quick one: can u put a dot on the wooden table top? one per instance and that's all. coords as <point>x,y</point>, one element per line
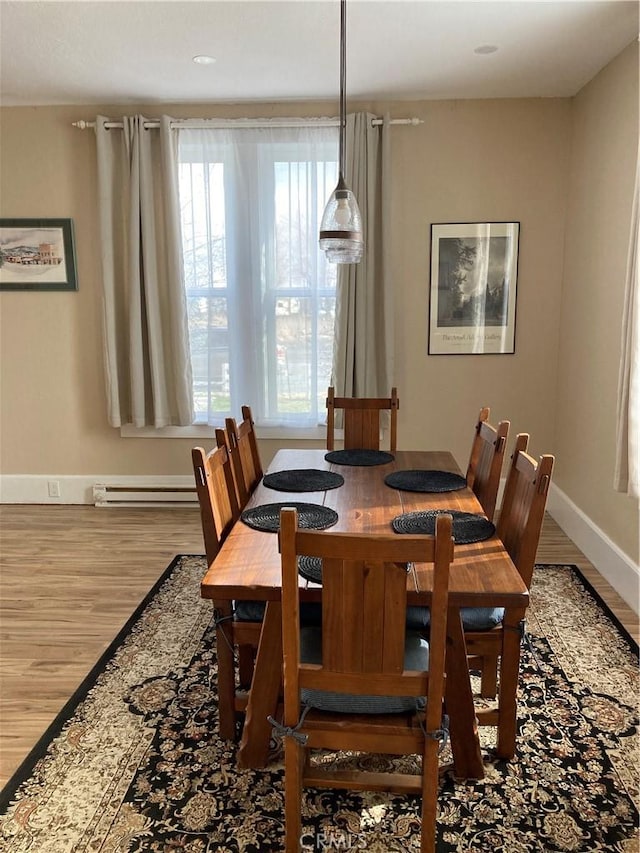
<point>248,564</point>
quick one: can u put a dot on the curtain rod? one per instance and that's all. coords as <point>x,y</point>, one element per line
<point>213,122</point>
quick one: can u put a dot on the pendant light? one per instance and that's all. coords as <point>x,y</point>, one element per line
<point>341,226</point>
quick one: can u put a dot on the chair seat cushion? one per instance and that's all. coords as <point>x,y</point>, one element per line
<point>249,611</point>
<point>418,618</point>
<point>416,657</point>
<point>311,613</point>
<point>473,618</point>
<point>253,611</point>
<point>481,618</point>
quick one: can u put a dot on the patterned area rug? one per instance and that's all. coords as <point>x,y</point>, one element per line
<point>134,763</point>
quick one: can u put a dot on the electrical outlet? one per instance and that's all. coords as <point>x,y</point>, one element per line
<point>54,488</point>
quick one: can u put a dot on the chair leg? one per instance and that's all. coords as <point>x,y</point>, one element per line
<point>294,756</point>
<point>429,796</point>
<point>489,677</point>
<point>245,665</point>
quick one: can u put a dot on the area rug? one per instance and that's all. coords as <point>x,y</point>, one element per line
<point>134,765</point>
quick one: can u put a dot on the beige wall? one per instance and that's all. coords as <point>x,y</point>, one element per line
<point>603,158</point>
<point>481,161</point>
<point>53,409</point>
<point>469,161</point>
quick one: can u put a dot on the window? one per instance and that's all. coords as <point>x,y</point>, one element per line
<point>260,295</point>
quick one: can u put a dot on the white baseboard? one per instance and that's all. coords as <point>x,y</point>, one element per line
<point>612,563</point>
<point>35,488</point>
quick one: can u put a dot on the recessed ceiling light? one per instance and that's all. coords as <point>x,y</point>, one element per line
<point>486,48</point>
<point>203,59</point>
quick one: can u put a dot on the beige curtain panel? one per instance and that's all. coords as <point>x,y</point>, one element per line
<point>363,347</point>
<point>146,339</point>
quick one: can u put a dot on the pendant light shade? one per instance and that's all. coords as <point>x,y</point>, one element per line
<point>341,226</point>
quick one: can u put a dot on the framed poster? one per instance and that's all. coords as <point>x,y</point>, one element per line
<point>472,299</point>
<point>37,254</point>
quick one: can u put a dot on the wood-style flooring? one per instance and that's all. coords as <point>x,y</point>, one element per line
<point>72,575</point>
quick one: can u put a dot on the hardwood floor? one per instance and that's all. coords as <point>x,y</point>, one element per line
<point>70,578</point>
<point>72,575</point>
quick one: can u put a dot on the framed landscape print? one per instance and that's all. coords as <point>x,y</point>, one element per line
<point>472,299</point>
<point>37,254</point>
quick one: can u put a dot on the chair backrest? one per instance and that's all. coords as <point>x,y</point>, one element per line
<point>523,506</point>
<point>364,594</point>
<point>245,456</point>
<point>485,461</point>
<point>216,495</point>
<point>362,420</point>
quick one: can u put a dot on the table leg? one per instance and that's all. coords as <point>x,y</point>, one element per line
<point>265,690</point>
<point>463,726</point>
<point>509,676</point>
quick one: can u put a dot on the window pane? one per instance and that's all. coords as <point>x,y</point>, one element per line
<point>203,224</point>
<point>209,340</point>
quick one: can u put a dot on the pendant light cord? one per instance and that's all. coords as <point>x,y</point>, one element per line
<point>343,85</point>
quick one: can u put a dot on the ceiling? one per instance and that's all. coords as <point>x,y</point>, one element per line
<point>85,52</point>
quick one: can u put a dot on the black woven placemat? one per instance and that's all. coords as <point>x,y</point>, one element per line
<point>310,568</point>
<point>267,516</point>
<point>425,481</point>
<point>467,527</point>
<point>359,457</point>
<point>303,480</point>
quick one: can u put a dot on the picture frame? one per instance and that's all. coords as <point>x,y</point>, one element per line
<point>473,287</point>
<point>37,254</point>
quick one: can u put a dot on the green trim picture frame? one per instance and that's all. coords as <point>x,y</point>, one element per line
<point>37,254</point>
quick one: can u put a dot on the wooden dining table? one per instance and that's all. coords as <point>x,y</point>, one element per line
<point>481,575</point>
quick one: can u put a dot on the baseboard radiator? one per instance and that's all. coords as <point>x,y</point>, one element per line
<point>141,495</point>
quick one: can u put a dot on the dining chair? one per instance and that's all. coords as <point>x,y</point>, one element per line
<point>238,624</point>
<point>490,644</point>
<point>245,455</point>
<point>485,461</point>
<point>362,420</point>
<point>359,682</point>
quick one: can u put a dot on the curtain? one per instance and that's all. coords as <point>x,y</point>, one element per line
<point>363,348</point>
<point>627,472</point>
<point>260,293</point>
<point>146,341</point>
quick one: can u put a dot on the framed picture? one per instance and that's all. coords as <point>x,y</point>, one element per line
<point>37,254</point>
<point>472,300</point>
